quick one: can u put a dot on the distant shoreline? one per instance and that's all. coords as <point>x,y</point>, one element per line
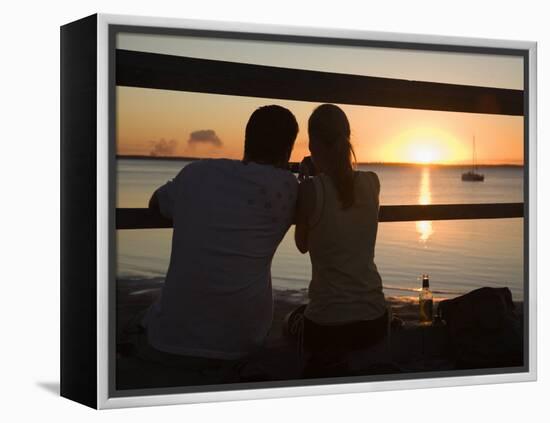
<point>188,158</point>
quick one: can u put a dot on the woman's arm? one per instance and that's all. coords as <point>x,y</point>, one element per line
<point>304,209</point>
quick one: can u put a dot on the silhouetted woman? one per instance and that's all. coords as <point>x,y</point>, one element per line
<point>337,222</point>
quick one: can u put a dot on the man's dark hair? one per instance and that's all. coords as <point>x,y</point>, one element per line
<point>270,135</point>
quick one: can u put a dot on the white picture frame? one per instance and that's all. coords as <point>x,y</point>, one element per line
<point>99,394</point>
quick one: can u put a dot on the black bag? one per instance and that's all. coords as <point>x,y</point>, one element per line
<point>485,329</point>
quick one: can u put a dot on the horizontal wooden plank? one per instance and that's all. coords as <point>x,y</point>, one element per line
<point>450,212</point>
<point>140,219</point>
<point>159,71</point>
<point>134,218</point>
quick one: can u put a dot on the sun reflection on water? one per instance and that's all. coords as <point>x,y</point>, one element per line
<point>424,227</point>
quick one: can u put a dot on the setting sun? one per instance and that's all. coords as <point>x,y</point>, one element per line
<point>425,154</point>
<point>425,144</point>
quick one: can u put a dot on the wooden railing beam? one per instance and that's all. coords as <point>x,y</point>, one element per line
<point>135,218</point>
<point>166,72</point>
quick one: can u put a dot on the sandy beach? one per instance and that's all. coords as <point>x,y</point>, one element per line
<point>410,347</point>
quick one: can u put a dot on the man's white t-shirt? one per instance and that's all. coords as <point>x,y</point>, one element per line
<point>229,217</point>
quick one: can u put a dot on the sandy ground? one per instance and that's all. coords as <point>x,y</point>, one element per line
<point>410,347</point>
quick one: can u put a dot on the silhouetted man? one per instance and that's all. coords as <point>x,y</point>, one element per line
<point>229,217</point>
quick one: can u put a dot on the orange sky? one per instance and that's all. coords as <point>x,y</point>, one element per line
<point>145,117</point>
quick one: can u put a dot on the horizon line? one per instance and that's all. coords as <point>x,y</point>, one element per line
<point>191,158</point>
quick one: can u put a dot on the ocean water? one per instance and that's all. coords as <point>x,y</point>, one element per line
<point>459,255</point>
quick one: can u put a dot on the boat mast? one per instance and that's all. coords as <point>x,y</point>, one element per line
<point>474,154</point>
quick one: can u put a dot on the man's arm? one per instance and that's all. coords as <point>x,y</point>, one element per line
<point>154,205</point>
<point>163,200</point>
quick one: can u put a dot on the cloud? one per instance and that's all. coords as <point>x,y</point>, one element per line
<point>163,147</point>
<point>204,136</point>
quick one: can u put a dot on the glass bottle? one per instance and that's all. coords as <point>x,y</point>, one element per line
<point>426,301</point>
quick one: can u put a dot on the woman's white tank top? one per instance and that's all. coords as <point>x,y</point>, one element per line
<point>345,285</point>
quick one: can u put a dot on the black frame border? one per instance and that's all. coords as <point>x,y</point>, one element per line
<point>78,211</point>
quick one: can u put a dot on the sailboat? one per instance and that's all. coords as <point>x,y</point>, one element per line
<point>472,175</point>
